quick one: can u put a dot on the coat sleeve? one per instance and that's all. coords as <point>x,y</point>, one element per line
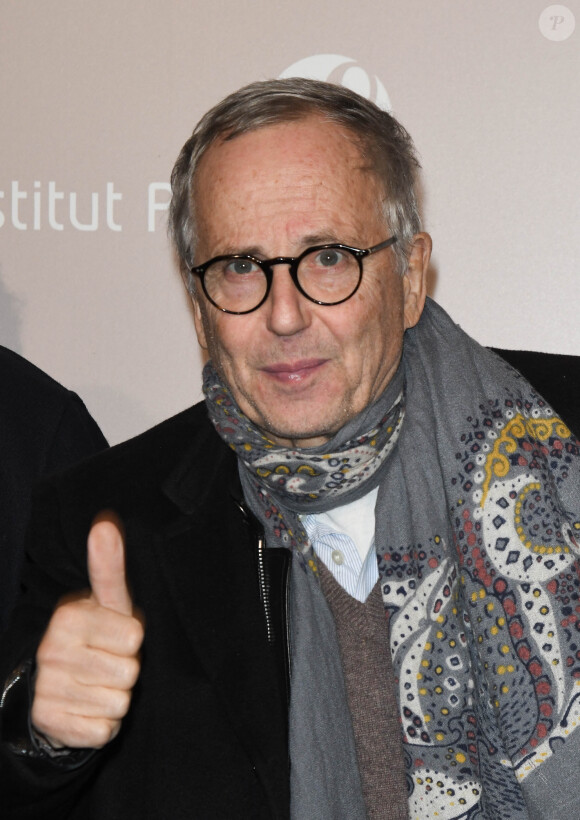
<point>34,784</point>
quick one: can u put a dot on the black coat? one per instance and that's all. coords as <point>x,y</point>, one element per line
<point>43,429</point>
<point>555,376</point>
<point>206,734</point>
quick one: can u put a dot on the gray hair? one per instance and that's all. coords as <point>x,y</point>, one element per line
<point>384,144</point>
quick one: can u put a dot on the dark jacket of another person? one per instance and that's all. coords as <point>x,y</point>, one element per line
<point>43,429</point>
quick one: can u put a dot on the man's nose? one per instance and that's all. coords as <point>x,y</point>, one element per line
<point>288,311</point>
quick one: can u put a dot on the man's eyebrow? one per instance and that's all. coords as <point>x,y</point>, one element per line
<point>233,250</point>
<point>308,241</point>
<point>320,239</point>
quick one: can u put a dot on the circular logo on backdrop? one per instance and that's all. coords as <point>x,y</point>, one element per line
<point>334,68</point>
<point>557,23</point>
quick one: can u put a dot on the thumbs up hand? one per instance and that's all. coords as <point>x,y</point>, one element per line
<point>87,662</point>
<point>106,563</point>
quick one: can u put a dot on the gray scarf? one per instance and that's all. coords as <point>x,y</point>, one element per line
<point>476,535</point>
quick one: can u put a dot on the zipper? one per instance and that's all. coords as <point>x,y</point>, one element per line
<point>264,587</point>
<point>262,568</point>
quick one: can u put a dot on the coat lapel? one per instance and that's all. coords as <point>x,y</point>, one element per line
<point>209,562</point>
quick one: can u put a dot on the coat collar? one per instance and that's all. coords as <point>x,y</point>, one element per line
<point>207,466</point>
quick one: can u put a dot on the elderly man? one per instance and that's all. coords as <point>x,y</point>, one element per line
<point>354,566</point>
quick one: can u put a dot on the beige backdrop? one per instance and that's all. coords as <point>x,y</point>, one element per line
<point>98,97</point>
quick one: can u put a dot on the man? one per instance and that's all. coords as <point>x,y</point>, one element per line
<point>43,429</point>
<point>343,587</point>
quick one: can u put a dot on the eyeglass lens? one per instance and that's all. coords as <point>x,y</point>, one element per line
<point>239,284</point>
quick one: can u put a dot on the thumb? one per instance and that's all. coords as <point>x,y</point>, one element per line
<point>106,565</point>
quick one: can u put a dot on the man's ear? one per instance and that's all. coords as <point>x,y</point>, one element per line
<point>198,319</point>
<point>415,279</point>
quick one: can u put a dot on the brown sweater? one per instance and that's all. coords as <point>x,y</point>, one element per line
<point>363,636</point>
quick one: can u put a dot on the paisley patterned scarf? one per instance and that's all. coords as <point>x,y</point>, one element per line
<point>477,533</point>
<point>282,482</point>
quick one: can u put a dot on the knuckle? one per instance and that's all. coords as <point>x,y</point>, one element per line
<point>103,731</point>
<point>135,635</point>
<point>120,704</point>
<point>132,672</point>
<point>127,672</point>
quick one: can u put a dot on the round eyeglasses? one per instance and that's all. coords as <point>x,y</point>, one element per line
<point>325,274</point>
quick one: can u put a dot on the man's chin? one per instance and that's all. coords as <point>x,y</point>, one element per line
<point>296,424</point>
<point>298,435</point>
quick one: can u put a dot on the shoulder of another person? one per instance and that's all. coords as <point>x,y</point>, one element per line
<point>130,477</point>
<point>21,378</point>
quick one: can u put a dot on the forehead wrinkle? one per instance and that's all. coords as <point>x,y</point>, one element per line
<point>271,188</point>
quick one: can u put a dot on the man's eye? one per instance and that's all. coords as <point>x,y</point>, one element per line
<point>329,258</point>
<point>241,266</point>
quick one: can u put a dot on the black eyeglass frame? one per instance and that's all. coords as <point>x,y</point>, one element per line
<point>293,262</point>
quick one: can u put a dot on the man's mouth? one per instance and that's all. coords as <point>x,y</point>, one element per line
<point>294,372</point>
